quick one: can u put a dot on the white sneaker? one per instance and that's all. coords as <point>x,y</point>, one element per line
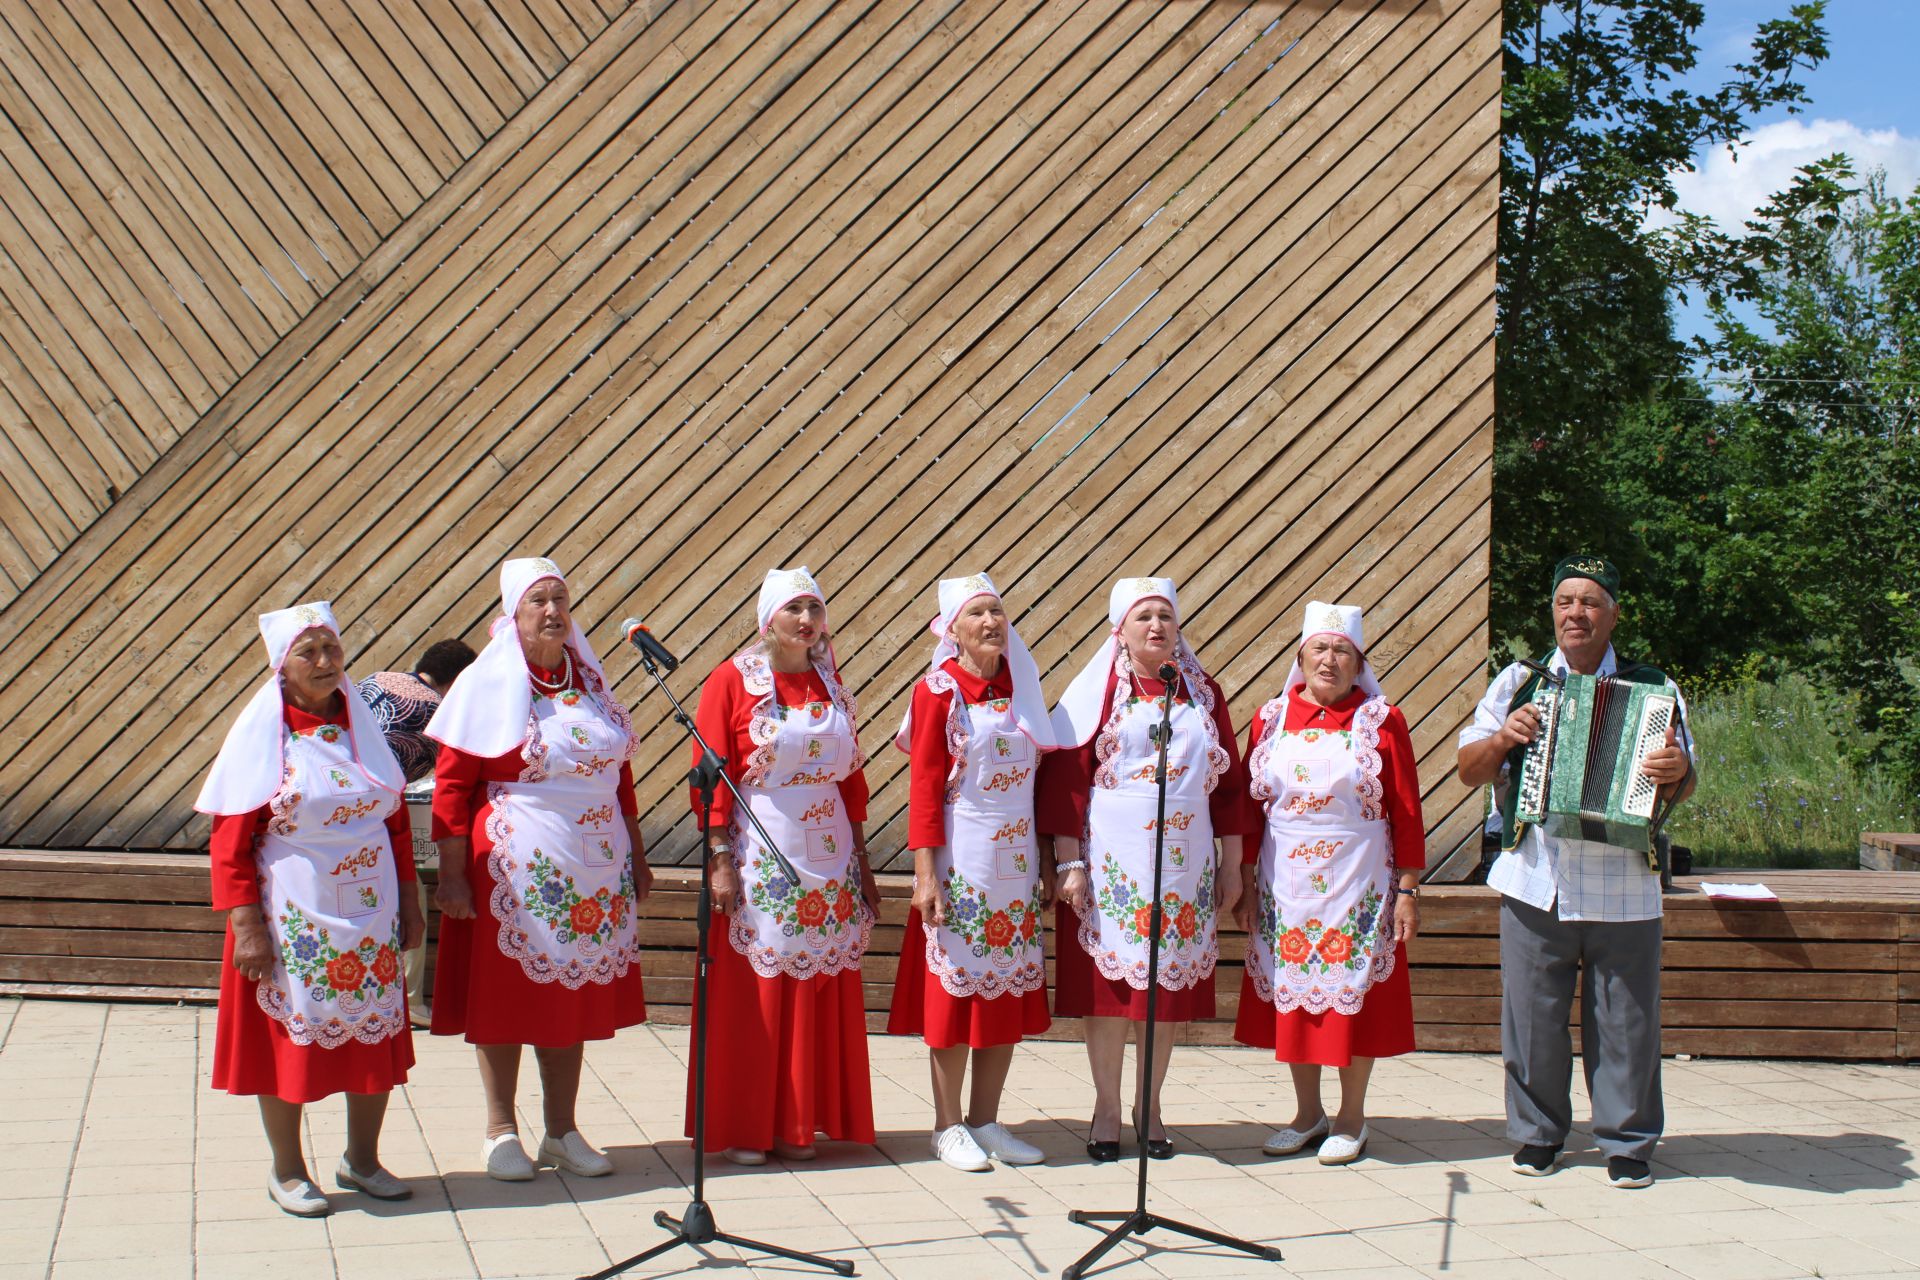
<point>997,1141</point>
<point>745,1155</point>
<point>956,1148</point>
<point>507,1159</point>
<point>1340,1149</point>
<point>1288,1141</point>
<point>304,1200</point>
<point>572,1154</point>
<point>379,1184</point>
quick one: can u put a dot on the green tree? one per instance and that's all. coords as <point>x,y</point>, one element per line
<point>1594,128</point>
<point>1825,486</point>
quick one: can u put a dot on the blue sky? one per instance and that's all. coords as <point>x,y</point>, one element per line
<point>1865,101</point>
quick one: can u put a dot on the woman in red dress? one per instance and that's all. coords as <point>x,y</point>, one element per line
<point>787,1048</point>
<point>1098,799</point>
<point>973,967</point>
<point>1333,899</point>
<point>541,865</point>
<point>311,862</point>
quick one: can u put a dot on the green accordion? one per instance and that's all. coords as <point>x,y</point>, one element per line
<point>1581,778</point>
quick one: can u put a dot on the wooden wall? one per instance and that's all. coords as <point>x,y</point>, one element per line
<point>894,289</point>
<point>184,180</point>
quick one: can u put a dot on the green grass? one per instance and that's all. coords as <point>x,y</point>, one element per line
<point>1775,788</point>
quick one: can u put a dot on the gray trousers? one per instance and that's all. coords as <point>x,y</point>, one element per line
<point>1540,956</point>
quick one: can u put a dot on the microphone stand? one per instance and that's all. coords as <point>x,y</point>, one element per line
<point>696,1225</point>
<point>1139,1220</point>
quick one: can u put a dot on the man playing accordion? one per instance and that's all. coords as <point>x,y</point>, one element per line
<point>1570,902</point>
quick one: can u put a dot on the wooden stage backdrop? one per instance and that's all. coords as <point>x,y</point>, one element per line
<point>354,298</point>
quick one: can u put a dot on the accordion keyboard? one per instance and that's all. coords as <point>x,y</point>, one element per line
<point>1536,768</point>
<point>1655,715</point>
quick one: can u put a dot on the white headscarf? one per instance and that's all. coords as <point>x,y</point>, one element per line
<point>1338,620</point>
<point>485,712</point>
<point>248,769</point>
<point>781,586</point>
<point>1077,716</point>
<point>1029,702</point>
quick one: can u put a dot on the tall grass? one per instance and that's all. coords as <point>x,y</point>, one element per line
<point>1776,788</point>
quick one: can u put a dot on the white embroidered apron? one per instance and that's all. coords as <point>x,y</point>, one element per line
<point>330,895</point>
<point>1323,931</point>
<point>992,943</point>
<point>1119,842</point>
<point>562,861</point>
<point>818,924</point>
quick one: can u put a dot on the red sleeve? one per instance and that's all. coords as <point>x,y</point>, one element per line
<point>456,783</point>
<point>236,877</point>
<point>1400,780</point>
<point>400,836</point>
<point>1230,806</point>
<point>1065,784</point>
<point>629,802</point>
<point>1250,847</point>
<point>721,719</point>
<point>853,792</point>
<point>930,763</point>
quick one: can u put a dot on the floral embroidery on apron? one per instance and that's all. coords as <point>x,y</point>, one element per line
<point>330,893</point>
<point>562,860</point>
<point>1121,813</point>
<point>991,944</point>
<point>1323,931</point>
<point>817,923</point>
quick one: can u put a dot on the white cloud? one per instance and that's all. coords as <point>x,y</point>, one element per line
<point>1728,190</point>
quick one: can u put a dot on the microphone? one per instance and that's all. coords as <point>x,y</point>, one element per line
<point>651,651</point>
<point>1168,671</point>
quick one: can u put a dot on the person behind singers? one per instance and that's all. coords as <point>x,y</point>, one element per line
<point>312,863</point>
<point>973,967</point>
<point>1097,798</point>
<point>1332,899</point>
<point>541,866</point>
<point>787,1054</point>
<point>1568,905</point>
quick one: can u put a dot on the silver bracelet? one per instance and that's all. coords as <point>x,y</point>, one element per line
<point>1078,864</point>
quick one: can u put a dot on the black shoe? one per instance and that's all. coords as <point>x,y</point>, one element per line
<point>1536,1162</point>
<point>1103,1152</point>
<point>1157,1148</point>
<point>1627,1173</point>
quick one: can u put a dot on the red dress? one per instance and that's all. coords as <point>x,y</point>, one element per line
<point>786,1057</point>
<point>1384,1026</point>
<point>252,1053</point>
<point>922,1005</point>
<point>1066,784</point>
<point>478,990</point>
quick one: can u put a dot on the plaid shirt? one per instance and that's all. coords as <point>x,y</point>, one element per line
<point>1588,880</point>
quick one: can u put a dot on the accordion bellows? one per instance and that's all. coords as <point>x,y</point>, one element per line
<point>1581,778</point>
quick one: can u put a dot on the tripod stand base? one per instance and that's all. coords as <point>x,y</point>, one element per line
<point>696,1227</point>
<point>1137,1222</point>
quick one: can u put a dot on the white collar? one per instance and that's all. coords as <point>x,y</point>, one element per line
<point>1557,662</point>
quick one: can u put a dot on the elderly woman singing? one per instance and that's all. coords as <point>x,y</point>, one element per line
<point>1098,800</point>
<point>309,853</point>
<point>973,966</point>
<point>541,865</point>
<point>1333,900</point>
<point>788,1028</point>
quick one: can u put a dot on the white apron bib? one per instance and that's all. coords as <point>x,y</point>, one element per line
<point>1119,842</point>
<point>562,861</point>
<point>992,943</point>
<point>330,894</point>
<point>818,924</point>
<point>1323,932</point>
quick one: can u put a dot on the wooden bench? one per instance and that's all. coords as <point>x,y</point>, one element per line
<point>1889,851</point>
<point>1831,971</point>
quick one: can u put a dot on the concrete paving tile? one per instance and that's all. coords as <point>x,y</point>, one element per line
<point>32,1213</point>
<point>403,1262</point>
<point>1332,1251</point>
<point>1609,1264</point>
<point>132,1178</point>
<point>149,1268</point>
<point>1434,1245</point>
<point>541,1255</point>
<point>1831,1256</point>
<point>1543,1239</point>
<point>98,1211</point>
<point>1719,1261</point>
<point>517,1222</point>
<point>161,1241</point>
<point>286,1264</point>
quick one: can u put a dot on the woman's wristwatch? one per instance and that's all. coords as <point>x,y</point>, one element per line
<point>1405,892</point>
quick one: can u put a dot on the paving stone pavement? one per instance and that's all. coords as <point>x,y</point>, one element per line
<point>120,1161</point>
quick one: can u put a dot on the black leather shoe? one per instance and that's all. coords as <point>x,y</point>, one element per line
<point>1103,1152</point>
<point>1159,1148</point>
